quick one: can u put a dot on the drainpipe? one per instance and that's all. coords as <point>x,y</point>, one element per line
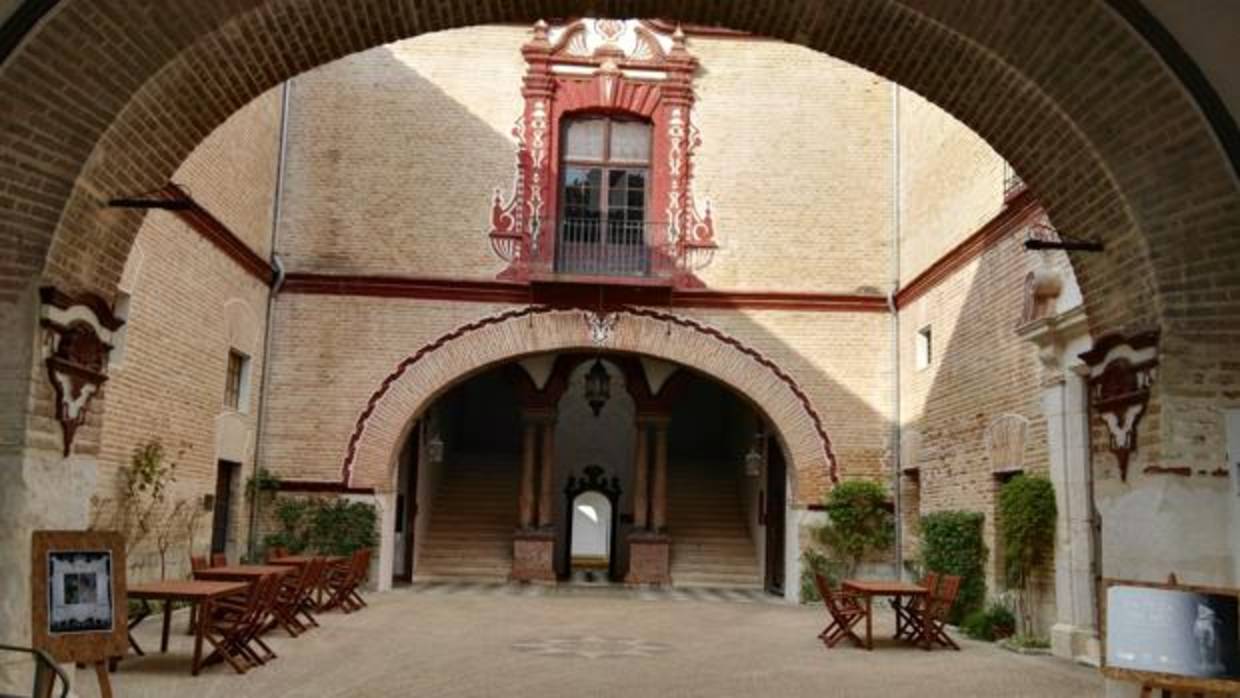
<point>276,285</point>
<point>895,328</point>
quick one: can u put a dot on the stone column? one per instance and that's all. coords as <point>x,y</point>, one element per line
<point>641,488</point>
<point>546,479</point>
<point>1060,339</point>
<point>526,496</point>
<point>658,516</point>
<point>533,547</point>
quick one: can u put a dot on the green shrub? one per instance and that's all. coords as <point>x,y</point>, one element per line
<point>995,622</point>
<point>861,522</point>
<point>336,527</point>
<point>952,544</point>
<point>1027,515</point>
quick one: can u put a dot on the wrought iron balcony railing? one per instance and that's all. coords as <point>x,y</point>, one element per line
<point>636,250</point>
<point>592,247</point>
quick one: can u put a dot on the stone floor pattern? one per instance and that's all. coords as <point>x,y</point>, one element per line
<point>448,640</point>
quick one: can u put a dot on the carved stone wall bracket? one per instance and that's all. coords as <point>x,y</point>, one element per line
<point>1121,372</point>
<point>78,334</point>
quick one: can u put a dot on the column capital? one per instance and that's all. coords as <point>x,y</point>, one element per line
<point>538,415</point>
<point>653,419</point>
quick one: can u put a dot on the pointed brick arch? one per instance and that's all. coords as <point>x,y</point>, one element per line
<point>415,382</point>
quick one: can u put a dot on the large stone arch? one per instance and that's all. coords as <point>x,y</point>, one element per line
<point>383,425</point>
<point>104,101</point>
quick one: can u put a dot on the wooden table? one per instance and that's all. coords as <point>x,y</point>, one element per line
<point>197,593</point>
<point>869,588</point>
<point>242,573</point>
<point>303,560</point>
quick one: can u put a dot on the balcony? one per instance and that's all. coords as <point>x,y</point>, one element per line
<point>608,253</point>
<point>617,248</point>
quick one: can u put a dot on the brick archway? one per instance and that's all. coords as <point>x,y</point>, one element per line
<point>414,383</point>
<point>105,101</point>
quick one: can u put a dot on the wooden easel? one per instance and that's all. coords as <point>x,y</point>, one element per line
<point>85,648</point>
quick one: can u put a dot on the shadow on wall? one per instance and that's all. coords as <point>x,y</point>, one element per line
<point>847,381</point>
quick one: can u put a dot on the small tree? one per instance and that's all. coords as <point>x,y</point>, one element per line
<point>861,523</point>
<point>1027,515</point>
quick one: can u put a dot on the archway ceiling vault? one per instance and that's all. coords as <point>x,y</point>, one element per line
<point>107,97</point>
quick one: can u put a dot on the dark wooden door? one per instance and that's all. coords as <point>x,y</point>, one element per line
<point>776,500</point>
<point>223,505</point>
<point>407,506</point>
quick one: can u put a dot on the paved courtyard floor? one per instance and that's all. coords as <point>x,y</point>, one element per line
<point>471,640</point>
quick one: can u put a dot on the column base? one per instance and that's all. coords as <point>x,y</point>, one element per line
<point>533,556</point>
<point>649,559</point>
<point>1081,645</point>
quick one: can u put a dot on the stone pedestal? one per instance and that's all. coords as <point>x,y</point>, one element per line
<point>649,559</point>
<point>533,556</point>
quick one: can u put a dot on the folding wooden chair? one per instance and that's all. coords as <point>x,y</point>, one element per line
<point>198,562</point>
<point>908,609</point>
<point>844,610</point>
<point>936,611</point>
<point>290,602</point>
<point>309,604</point>
<point>342,582</point>
<point>234,626</point>
<point>219,560</point>
<point>276,551</point>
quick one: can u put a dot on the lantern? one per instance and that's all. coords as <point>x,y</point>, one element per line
<point>756,456</point>
<point>598,386</point>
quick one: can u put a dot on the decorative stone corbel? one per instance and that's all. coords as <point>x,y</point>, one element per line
<point>78,334</point>
<point>1121,372</point>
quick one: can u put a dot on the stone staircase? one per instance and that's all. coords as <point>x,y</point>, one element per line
<point>473,516</point>
<point>711,546</point>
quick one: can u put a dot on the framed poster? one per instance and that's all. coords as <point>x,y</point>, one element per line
<point>79,606</point>
<point>1172,636</point>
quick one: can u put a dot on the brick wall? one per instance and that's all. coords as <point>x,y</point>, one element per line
<point>394,154</point>
<point>332,352</point>
<point>188,305</point>
<point>980,371</point>
<point>951,183</point>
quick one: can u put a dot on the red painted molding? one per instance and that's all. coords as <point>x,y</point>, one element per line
<point>407,287</point>
<point>777,300</point>
<point>218,234</point>
<point>1182,471</point>
<point>317,487</point>
<point>486,291</point>
<point>1019,210</point>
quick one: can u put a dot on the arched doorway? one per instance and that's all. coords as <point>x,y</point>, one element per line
<point>682,482</point>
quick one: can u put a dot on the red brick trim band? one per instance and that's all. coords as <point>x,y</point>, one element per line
<point>487,291</point>
<point>218,234</point>
<point>1020,209</point>
<point>318,487</point>
<point>533,310</point>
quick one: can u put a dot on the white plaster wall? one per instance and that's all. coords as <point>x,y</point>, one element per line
<point>1161,525</point>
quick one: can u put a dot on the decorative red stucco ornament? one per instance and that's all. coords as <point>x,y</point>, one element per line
<point>78,338</point>
<point>614,67</point>
<point>1121,373</point>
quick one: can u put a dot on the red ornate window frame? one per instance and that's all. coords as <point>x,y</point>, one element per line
<point>616,67</point>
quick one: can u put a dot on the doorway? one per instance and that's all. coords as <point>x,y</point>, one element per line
<point>406,507</point>
<point>774,514</point>
<point>591,542</point>
<point>225,476</point>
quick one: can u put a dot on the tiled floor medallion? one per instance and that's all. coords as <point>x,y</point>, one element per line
<point>592,647</point>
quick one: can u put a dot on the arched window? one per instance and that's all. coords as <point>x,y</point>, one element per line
<point>605,184</point>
